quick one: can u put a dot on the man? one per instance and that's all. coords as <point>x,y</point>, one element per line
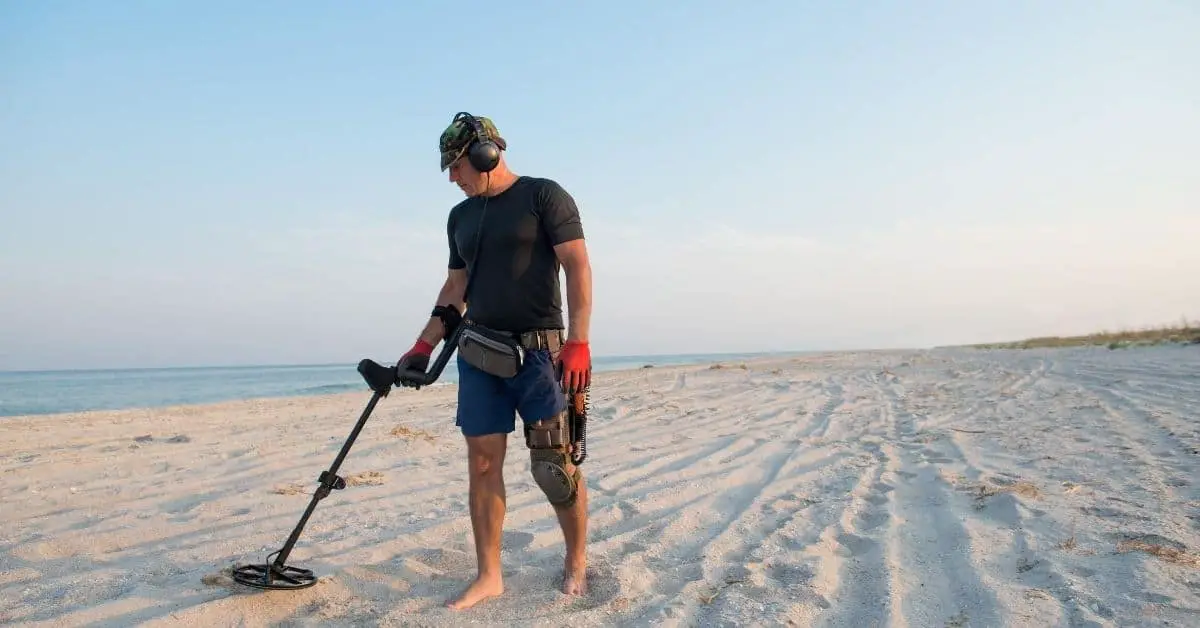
<point>523,229</point>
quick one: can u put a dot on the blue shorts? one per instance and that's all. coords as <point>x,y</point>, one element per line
<point>488,404</point>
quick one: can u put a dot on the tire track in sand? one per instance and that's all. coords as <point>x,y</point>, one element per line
<point>1010,535</point>
<point>819,423</point>
<point>741,541</point>
<point>928,551</point>
<point>1157,456</point>
<point>846,555</point>
<point>1015,540</point>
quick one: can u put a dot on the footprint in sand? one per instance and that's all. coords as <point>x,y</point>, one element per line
<point>857,545</point>
<point>790,574</point>
<point>516,540</point>
<point>876,499</point>
<point>1083,572</point>
<point>870,520</point>
<point>793,542</point>
<point>628,510</point>
<point>631,548</point>
<point>878,495</point>
<point>438,560</point>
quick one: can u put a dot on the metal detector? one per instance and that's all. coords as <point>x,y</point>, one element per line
<point>277,574</point>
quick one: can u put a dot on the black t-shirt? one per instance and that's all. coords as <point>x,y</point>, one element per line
<point>516,287</point>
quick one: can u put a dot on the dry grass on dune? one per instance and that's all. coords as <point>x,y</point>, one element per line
<point>1184,332</point>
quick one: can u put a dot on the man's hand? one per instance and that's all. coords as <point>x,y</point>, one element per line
<point>575,364</point>
<point>416,359</point>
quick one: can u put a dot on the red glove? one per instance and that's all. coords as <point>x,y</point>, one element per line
<point>575,361</point>
<point>417,358</point>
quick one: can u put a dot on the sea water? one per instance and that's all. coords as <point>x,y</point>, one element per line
<point>50,392</point>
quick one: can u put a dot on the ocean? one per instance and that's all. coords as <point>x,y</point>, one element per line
<point>51,392</point>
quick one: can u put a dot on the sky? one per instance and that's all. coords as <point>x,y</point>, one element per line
<point>219,183</point>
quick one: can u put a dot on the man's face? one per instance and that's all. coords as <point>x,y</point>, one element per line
<point>469,180</point>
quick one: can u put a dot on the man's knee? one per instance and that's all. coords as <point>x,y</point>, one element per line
<point>549,444</point>
<point>485,454</point>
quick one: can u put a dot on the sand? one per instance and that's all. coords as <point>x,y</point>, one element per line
<point>923,488</point>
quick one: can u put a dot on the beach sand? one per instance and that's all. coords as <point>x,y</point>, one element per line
<point>947,487</point>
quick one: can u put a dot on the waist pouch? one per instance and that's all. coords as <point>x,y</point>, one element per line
<point>490,351</point>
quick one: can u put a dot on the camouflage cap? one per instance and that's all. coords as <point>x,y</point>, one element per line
<point>459,135</point>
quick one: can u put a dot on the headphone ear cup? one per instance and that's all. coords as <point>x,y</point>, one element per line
<point>484,155</point>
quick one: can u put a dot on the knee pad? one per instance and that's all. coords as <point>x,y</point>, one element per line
<point>549,444</point>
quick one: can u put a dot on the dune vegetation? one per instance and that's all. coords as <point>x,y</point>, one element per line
<point>1183,332</point>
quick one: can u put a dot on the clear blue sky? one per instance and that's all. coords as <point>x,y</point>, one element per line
<point>257,182</point>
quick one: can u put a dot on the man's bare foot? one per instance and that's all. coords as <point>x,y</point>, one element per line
<point>481,589</point>
<point>574,578</point>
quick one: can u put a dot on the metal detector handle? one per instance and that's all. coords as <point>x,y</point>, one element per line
<point>416,379</point>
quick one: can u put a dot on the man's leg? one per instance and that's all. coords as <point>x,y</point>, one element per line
<point>543,405</point>
<point>485,462</point>
<point>573,521</point>
<point>485,416</point>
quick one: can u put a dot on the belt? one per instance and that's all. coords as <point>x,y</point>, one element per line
<point>534,339</point>
<point>550,339</point>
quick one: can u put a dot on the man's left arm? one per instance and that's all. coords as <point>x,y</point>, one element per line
<point>573,256</point>
<point>560,219</point>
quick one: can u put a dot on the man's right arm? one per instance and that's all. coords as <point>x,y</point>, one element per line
<point>451,294</point>
<point>453,289</point>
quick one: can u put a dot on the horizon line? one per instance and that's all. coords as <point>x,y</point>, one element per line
<point>184,367</point>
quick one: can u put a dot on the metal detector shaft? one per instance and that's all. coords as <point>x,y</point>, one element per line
<point>329,482</point>
<point>277,574</point>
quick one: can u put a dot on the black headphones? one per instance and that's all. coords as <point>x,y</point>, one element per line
<point>484,154</point>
